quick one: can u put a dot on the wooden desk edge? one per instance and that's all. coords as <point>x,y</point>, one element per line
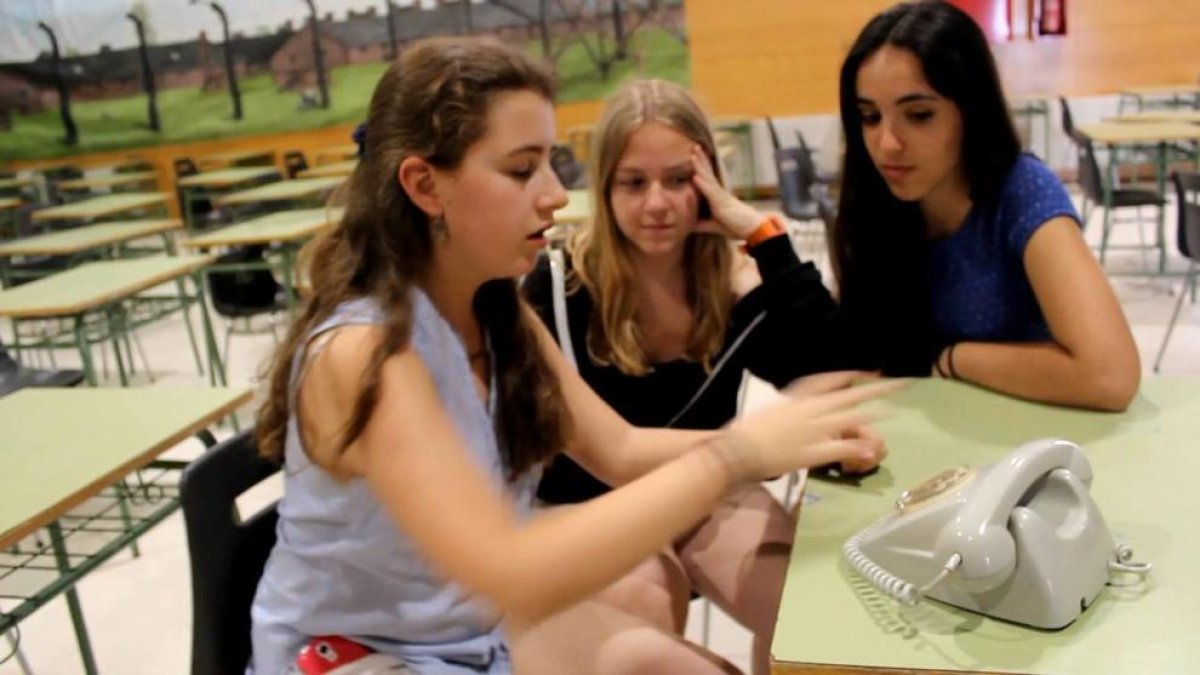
<point>224,181</point>
<point>142,285</point>
<point>116,238</point>
<point>237,198</point>
<point>39,217</point>
<point>250,241</point>
<point>46,517</point>
<point>109,181</point>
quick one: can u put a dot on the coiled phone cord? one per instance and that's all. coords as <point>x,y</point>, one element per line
<point>888,583</point>
<point>1120,563</point>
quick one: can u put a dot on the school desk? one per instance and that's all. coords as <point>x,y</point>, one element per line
<point>1144,462</point>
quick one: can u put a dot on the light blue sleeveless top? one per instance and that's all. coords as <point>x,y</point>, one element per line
<point>341,566</point>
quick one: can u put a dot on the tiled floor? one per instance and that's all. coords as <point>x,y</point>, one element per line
<point>138,610</point>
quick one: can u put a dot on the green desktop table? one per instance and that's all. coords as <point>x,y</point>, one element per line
<point>82,465</point>
<point>1144,461</point>
<point>288,229</point>
<point>113,181</point>
<point>212,184</point>
<point>100,236</point>
<point>96,208</point>
<point>105,300</point>
<point>297,190</point>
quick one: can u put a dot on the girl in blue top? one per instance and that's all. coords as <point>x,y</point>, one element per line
<point>416,399</point>
<point>959,255</point>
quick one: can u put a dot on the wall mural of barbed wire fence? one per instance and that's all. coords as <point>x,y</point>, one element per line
<point>80,76</point>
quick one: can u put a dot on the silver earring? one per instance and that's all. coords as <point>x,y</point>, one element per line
<point>438,229</point>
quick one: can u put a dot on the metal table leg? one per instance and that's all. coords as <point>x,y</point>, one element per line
<point>64,567</point>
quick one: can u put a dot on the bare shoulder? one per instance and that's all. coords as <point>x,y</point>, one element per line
<point>337,362</point>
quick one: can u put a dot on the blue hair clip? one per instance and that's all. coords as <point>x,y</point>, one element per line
<point>359,136</point>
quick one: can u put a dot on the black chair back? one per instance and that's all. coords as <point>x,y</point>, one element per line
<point>775,144</point>
<point>796,178</point>
<point>570,171</point>
<point>240,293</point>
<point>294,162</point>
<point>1068,123</point>
<point>54,176</point>
<point>227,553</point>
<point>1091,181</point>
<point>1188,185</point>
<point>184,167</point>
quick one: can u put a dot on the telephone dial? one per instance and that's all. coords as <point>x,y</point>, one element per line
<point>1019,540</point>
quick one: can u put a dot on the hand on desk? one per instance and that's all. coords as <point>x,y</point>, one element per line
<point>817,423</point>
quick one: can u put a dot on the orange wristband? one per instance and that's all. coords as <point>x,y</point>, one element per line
<point>771,226</point>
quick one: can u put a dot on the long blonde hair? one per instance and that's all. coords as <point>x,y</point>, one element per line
<point>602,253</point>
<point>431,103</point>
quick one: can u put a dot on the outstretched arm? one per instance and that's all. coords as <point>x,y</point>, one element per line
<point>421,471</point>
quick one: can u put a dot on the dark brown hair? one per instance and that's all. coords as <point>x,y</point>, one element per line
<point>431,103</point>
<point>877,243</point>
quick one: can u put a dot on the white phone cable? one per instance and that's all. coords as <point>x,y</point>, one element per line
<point>903,591</point>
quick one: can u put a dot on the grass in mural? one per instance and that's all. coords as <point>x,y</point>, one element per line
<point>188,114</point>
<point>660,55</point>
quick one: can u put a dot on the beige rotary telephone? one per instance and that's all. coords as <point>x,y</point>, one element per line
<point>1019,540</point>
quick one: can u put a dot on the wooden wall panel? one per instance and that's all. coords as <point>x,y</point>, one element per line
<point>781,57</point>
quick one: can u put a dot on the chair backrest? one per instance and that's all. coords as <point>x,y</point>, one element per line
<point>1187,193</point>
<point>570,171</point>
<point>242,292</point>
<point>7,362</point>
<point>184,166</point>
<point>227,553</point>
<point>1068,123</point>
<point>775,144</point>
<point>796,178</point>
<point>1091,181</point>
<point>294,162</point>
<point>53,176</point>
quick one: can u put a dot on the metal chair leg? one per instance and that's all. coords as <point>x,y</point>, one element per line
<point>228,333</point>
<point>1142,239</point>
<point>137,343</point>
<point>1190,278</point>
<point>1104,234</point>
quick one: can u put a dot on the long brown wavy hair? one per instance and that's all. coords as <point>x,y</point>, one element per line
<point>431,103</point>
<point>601,252</point>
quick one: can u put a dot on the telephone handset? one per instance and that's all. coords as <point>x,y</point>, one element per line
<point>1020,540</point>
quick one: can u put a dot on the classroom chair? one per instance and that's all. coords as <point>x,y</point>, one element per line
<point>200,209</point>
<point>1068,123</point>
<point>294,162</point>
<point>1092,182</point>
<point>798,189</point>
<point>227,551</point>
<point>570,171</point>
<point>13,376</point>
<point>241,294</point>
<point>1188,241</point>
<point>54,176</point>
